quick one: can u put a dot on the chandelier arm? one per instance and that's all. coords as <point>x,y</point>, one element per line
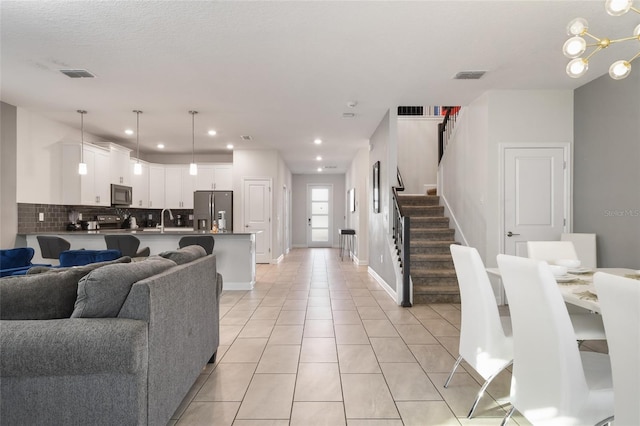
<point>596,50</point>
<point>634,9</point>
<point>592,36</point>
<point>637,55</point>
<point>624,39</point>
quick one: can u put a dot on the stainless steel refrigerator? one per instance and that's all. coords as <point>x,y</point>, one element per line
<point>209,206</point>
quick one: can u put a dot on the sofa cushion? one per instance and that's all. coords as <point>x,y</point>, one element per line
<point>103,291</point>
<point>43,296</point>
<point>89,267</point>
<point>185,255</point>
<point>16,258</point>
<point>85,257</point>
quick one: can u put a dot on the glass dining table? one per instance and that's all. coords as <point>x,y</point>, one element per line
<point>577,286</point>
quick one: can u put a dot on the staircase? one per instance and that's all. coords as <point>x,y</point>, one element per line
<point>432,272</point>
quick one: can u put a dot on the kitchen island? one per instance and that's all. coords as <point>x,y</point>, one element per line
<point>235,252</point>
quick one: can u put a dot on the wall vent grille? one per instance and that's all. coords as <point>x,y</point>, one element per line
<point>469,75</point>
<point>77,73</point>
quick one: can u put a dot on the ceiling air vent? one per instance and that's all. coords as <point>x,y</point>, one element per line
<point>410,110</point>
<point>330,167</point>
<point>469,75</point>
<point>246,137</point>
<point>77,73</point>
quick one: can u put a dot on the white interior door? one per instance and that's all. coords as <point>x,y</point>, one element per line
<point>319,215</point>
<point>536,198</point>
<point>257,215</point>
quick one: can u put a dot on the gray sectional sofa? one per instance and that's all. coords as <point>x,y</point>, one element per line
<point>115,344</point>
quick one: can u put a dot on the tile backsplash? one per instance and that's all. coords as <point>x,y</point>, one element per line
<point>56,216</point>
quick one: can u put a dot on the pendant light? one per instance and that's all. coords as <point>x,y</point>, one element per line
<point>193,167</point>
<point>137,168</point>
<point>82,166</point>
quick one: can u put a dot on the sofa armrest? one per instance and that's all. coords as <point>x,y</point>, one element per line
<point>72,347</point>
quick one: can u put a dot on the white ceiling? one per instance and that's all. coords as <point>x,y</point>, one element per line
<point>281,72</point>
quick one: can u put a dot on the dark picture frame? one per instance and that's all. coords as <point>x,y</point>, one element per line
<point>351,194</point>
<point>376,187</point>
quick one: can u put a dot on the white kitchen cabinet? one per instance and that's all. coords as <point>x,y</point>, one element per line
<point>205,177</point>
<point>156,186</point>
<point>140,185</point>
<point>223,177</point>
<point>178,187</point>
<point>121,170</point>
<point>214,176</point>
<point>92,189</point>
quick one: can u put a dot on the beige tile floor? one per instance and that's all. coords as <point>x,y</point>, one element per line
<point>320,342</point>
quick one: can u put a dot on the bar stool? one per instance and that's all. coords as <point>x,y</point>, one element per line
<point>346,241</point>
<point>127,244</point>
<point>51,246</point>
<point>205,241</point>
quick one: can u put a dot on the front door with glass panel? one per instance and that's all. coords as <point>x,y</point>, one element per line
<point>319,208</point>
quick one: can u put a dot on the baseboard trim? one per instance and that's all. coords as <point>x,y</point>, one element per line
<point>383,283</point>
<point>278,260</point>
<point>238,285</point>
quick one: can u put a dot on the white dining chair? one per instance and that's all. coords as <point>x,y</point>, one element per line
<point>553,383</point>
<point>485,337</point>
<point>551,251</point>
<point>585,247</point>
<point>619,299</point>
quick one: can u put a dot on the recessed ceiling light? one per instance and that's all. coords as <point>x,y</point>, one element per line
<point>212,132</point>
<point>229,146</point>
<point>160,146</point>
<point>317,141</point>
<point>319,158</point>
<point>319,169</point>
<point>129,132</point>
<point>352,104</point>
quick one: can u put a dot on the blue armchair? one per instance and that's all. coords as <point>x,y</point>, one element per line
<point>85,257</point>
<point>16,261</point>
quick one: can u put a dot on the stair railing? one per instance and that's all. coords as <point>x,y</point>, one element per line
<point>401,237</point>
<point>445,129</point>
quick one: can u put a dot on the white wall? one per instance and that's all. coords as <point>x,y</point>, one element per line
<point>418,152</point>
<point>8,148</point>
<point>283,183</point>
<point>264,164</point>
<point>299,205</point>
<point>357,177</point>
<point>470,167</point>
<point>463,184</point>
<point>185,158</point>
<point>521,116</point>
<point>39,157</point>
<point>384,149</point>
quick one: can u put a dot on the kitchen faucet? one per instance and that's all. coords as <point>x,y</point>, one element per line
<point>162,218</point>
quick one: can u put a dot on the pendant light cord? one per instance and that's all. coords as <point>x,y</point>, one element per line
<point>138,112</point>
<point>82,113</point>
<point>193,136</point>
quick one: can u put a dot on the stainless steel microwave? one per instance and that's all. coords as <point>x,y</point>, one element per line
<point>121,196</point>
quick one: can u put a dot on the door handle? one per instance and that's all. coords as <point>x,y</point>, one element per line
<point>511,234</point>
<point>246,226</point>
<point>309,221</point>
